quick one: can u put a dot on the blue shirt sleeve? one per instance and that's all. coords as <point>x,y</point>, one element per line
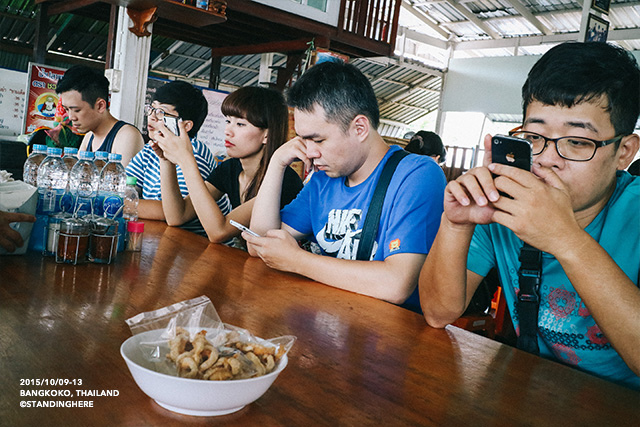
<point>297,214</point>
<point>481,257</point>
<point>412,220</point>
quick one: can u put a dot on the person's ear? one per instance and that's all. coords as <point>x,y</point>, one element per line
<point>627,150</point>
<point>265,138</point>
<point>100,105</point>
<point>188,125</point>
<point>361,126</point>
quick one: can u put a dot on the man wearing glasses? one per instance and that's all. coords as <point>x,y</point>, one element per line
<point>175,101</point>
<point>578,207</point>
<point>84,93</point>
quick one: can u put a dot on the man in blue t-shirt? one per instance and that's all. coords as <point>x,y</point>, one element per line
<point>336,118</point>
<point>578,207</point>
<point>183,101</point>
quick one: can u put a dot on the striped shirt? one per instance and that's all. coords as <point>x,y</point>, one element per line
<point>145,166</point>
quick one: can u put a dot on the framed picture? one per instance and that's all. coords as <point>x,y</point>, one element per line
<point>597,29</point>
<point>601,5</point>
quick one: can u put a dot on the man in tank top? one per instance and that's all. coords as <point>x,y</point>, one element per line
<point>84,93</point>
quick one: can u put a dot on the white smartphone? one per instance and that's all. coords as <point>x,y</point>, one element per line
<point>243,228</point>
<point>172,124</point>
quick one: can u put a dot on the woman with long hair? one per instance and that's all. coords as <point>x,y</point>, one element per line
<point>256,125</point>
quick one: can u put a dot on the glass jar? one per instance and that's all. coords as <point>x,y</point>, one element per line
<point>73,241</point>
<point>104,240</point>
<point>135,230</point>
<point>53,229</point>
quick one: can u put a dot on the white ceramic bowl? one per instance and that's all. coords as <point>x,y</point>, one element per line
<point>190,396</point>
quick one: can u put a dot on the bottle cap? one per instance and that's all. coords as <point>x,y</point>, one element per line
<point>132,180</point>
<point>85,155</point>
<point>135,227</point>
<point>102,155</point>
<point>115,157</point>
<point>54,151</point>
<point>72,151</point>
<point>40,148</point>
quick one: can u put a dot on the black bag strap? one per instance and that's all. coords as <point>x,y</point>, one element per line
<point>529,277</point>
<point>372,221</point>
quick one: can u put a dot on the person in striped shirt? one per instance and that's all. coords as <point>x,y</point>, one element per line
<point>256,125</point>
<point>177,99</point>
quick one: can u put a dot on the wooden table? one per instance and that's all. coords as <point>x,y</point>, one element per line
<point>357,361</point>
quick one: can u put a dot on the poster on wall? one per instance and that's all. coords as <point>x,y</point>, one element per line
<point>597,29</point>
<point>41,98</point>
<point>12,96</point>
<point>601,5</point>
<point>212,131</point>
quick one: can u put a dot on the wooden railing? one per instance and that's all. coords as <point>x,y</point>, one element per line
<point>460,160</point>
<point>373,19</point>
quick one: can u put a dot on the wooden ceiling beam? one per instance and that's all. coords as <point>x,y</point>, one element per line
<point>69,6</point>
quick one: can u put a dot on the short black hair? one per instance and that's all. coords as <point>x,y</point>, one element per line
<point>571,73</point>
<point>340,89</point>
<point>89,82</point>
<point>188,101</point>
<point>428,144</point>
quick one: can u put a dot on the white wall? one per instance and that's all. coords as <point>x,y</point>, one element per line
<point>488,85</point>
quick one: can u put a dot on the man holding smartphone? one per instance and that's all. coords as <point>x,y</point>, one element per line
<point>577,206</point>
<point>336,117</point>
<point>172,102</point>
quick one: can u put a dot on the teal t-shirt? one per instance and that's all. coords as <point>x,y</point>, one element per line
<point>566,330</point>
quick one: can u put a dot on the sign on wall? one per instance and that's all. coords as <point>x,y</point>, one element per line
<point>212,130</point>
<point>12,96</point>
<point>41,99</point>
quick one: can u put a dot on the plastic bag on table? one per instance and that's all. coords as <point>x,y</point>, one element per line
<point>194,343</point>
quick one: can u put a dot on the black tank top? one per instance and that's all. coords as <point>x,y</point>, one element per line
<point>107,144</point>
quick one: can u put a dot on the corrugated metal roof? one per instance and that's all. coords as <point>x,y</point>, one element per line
<point>407,89</point>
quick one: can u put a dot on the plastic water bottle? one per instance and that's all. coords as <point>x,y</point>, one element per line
<point>31,165</point>
<point>101,159</point>
<point>70,157</point>
<point>131,200</point>
<point>113,180</point>
<point>84,180</point>
<point>130,212</point>
<point>53,177</point>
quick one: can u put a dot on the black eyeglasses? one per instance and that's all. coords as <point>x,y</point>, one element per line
<point>159,113</point>
<point>575,148</point>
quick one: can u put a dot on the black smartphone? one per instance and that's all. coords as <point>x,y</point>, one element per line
<point>511,151</point>
<point>172,124</point>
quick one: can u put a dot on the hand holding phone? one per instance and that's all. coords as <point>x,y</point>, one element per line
<point>243,228</point>
<point>511,151</point>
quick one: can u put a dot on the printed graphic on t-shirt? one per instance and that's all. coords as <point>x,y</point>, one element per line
<point>566,325</point>
<point>340,236</point>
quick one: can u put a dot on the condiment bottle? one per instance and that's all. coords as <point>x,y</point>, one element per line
<point>73,241</point>
<point>104,240</point>
<point>52,235</point>
<point>135,229</point>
